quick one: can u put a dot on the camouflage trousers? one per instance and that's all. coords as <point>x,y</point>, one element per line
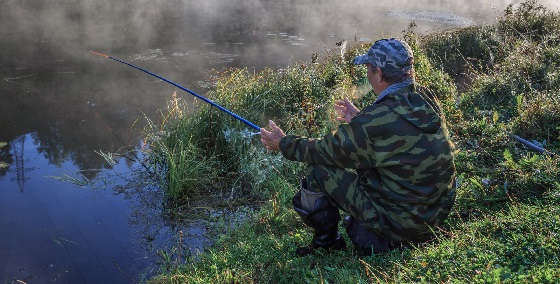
<point>384,218</point>
<point>342,187</point>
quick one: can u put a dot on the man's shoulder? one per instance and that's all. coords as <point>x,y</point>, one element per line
<point>411,99</point>
<point>388,103</point>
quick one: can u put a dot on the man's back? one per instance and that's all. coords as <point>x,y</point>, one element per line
<point>412,181</point>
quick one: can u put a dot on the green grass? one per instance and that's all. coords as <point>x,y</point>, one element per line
<point>493,81</point>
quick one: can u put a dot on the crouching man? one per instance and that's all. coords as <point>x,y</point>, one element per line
<point>389,167</point>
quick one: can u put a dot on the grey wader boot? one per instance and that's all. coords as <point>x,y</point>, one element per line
<point>365,242</point>
<point>322,216</point>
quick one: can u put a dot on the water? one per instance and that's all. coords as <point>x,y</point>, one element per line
<point>64,215</point>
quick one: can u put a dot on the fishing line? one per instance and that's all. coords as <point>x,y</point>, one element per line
<point>252,125</point>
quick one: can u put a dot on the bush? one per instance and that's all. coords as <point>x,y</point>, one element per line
<point>455,52</point>
<point>540,119</point>
<point>531,21</point>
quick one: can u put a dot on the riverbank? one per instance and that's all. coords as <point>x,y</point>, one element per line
<point>492,81</point>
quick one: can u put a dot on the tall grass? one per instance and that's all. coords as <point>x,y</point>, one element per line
<point>182,166</point>
<point>492,81</point>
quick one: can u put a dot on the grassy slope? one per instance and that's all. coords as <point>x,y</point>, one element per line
<point>505,226</point>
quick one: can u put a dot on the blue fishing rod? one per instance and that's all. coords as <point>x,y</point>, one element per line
<point>252,125</point>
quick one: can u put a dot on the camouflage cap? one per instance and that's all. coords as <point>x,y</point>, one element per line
<point>391,55</point>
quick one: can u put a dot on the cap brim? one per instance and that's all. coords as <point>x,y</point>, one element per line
<point>361,59</point>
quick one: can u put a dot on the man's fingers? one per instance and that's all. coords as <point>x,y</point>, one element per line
<point>272,124</point>
<point>340,107</point>
<point>265,141</point>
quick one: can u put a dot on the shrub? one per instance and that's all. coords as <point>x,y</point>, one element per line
<point>540,119</point>
<point>530,21</point>
<point>455,52</point>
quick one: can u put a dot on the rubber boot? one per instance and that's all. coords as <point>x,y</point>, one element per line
<point>365,242</point>
<point>323,218</point>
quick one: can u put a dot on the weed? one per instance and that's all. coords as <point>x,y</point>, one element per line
<point>80,180</point>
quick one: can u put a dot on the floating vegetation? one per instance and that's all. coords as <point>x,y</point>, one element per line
<point>110,158</point>
<point>80,180</point>
<point>180,53</point>
<point>63,242</point>
<point>9,79</point>
<point>147,55</point>
<point>220,58</point>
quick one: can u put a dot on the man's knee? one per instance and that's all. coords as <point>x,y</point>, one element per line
<point>326,179</point>
<point>310,198</point>
<point>315,180</point>
<point>315,208</point>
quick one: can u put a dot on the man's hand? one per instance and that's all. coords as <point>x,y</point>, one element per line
<point>271,138</point>
<point>345,110</point>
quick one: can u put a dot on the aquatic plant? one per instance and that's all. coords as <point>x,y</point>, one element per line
<point>181,165</point>
<point>79,179</point>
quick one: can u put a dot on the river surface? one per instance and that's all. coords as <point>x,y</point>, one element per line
<point>65,215</point>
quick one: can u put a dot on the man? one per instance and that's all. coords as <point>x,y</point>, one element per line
<point>390,166</point>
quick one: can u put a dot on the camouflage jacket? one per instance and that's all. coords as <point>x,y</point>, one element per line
<point>401,150</point>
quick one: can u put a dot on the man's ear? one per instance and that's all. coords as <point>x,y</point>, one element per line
<point>378,75</point>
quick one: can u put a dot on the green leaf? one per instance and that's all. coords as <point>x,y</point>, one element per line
<point>3,165</point>
<point>3,144</point>
<point>529,162</point>
<point>475,182</point>
<point>509,161</point>
<point>495,117</point>
<point>519,101</point>
<point>508,157</point>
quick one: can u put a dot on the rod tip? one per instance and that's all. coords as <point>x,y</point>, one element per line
<point>99,54</point>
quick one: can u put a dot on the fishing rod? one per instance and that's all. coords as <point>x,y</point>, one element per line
<point>532,145</point>
<point>250,124</point>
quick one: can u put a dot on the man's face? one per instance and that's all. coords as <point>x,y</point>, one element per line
<point>374,78</point>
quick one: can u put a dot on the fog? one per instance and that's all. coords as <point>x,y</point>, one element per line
<point>119,26</point>
<point>71,27</point>
<point>74,103</point>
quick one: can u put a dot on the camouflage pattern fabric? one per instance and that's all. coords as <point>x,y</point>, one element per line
<point>393,56</point>
<point>391,166</point>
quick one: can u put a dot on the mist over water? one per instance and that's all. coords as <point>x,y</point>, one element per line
<point>121,26</point>
<point>59,103</point>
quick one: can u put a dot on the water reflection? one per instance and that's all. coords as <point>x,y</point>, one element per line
<point>58,232</point>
